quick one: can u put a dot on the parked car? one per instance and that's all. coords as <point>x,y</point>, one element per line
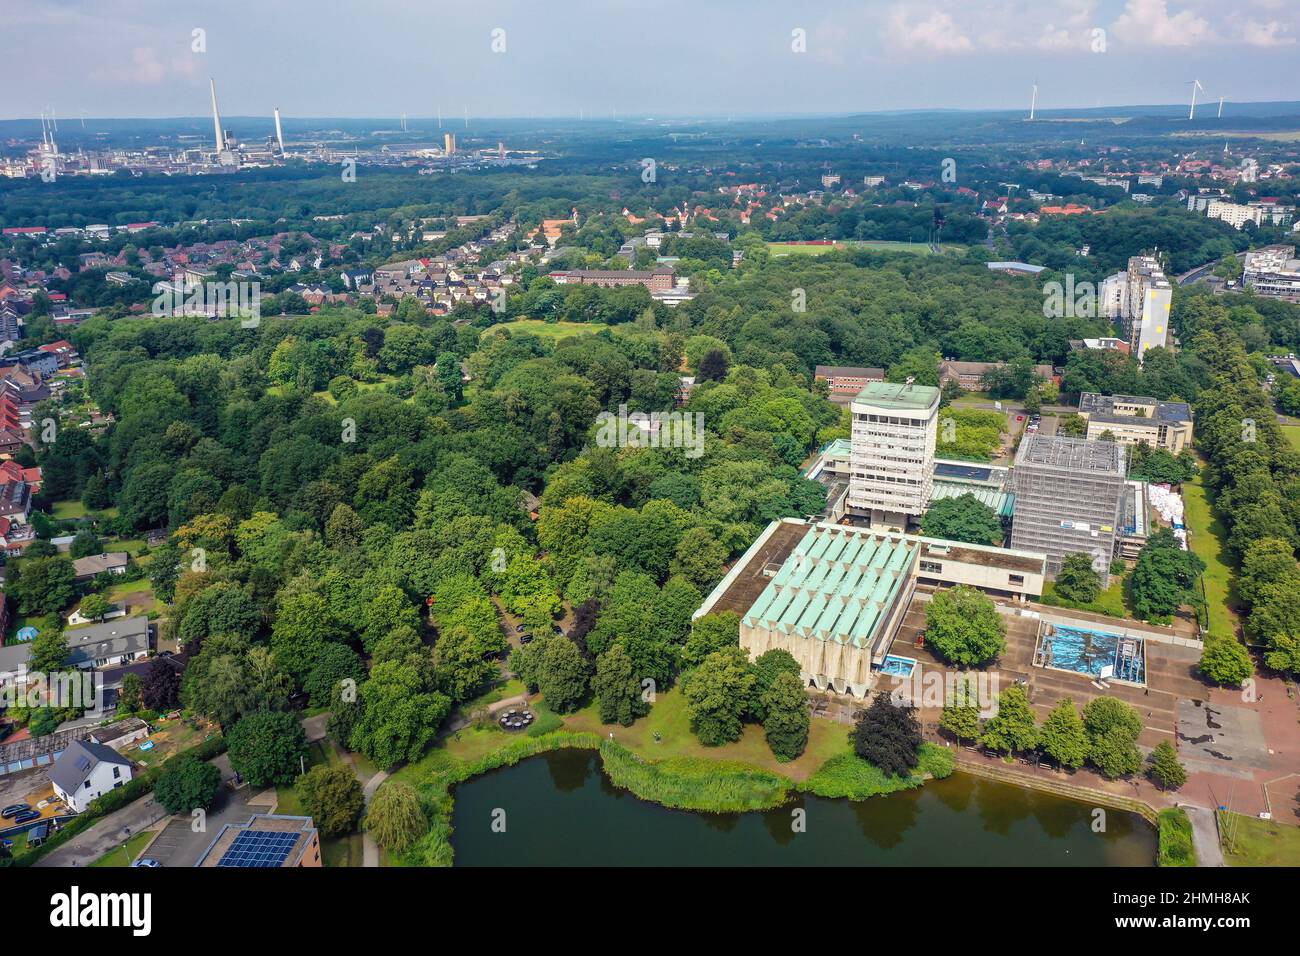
<point>525,638</point>
<point>13,810</point>
<point>27,816</point>
<point>147,861</point>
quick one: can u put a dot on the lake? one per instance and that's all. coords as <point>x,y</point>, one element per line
<point>559,809</point>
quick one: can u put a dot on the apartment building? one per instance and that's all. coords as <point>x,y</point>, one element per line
<point>895,427</point>
<point>1273,271</point>
<point>1138,418</point>
<point>1069,493</point>
<point>1139,299</point>
<point>847,380</point>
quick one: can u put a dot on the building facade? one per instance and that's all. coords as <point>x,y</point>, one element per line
<point>1068,498</point>
<point>895,428</point>
<point>1138,418</point>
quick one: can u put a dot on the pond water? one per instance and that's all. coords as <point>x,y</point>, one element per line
<point>561,810</point>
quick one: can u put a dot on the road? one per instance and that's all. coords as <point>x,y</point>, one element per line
<point>86,848</point>
<point>1205,836</point>
<point>1200,272</point>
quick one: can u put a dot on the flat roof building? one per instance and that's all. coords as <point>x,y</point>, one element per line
<point>895,428</point>
<point>1138,418</point>
<point>834,596</point>
<point>266,840</point>
<point>1068,496</point>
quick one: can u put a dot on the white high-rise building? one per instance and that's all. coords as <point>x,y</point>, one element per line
<point>891,465</point>
<point>1150,297</point>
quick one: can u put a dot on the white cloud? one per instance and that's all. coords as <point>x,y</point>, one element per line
<point>1271,33</point>
<point>1149,23</point>
<point>936,33</point>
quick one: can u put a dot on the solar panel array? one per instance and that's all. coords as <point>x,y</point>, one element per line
<point>260,848</point>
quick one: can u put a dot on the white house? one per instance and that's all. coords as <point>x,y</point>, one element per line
<point>87,770</point>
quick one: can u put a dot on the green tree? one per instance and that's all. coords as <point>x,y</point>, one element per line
<point>95,606</point>
<point>1225,661</point>
<point>1113,728</point>
<point>130,696</point>
<point>187,783</point>
<point>617,689</point>
<point>44,585</point>
<point>1077,581</point>
<point>887,734</point>
<point>1013,728</point>
<point>332,797</point>
<point>963,518</point>
<point>961,714</point>
<point>712,632</point>
<point>399,716</point>
<point>718,694</point>
<point>1165,769</point>
<point>395,818</point>
<point>1063,737</point>
<point>786,718</point>
<point>964,627</point>
<point>265,748</point>
<point>562,675</point>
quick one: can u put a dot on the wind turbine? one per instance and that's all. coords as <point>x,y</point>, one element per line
<point>1196,85</point>
<point>1033,100</point>
<point>1220,116</point>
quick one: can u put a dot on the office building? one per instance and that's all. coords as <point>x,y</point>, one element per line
<point>1068,497</point>
<point>1138,418</point>
<point>895,428</point>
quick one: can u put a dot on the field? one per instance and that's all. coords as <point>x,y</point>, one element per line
<point>1249,841</point>
<point>550,330</point>
<point>668,718</point>
<point>1207,536</point>
<point>1292,433</point>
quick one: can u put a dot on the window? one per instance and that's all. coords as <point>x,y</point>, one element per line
<point>932,567</point>
<point>117,772</point>
<point>86,784</point>
<point>1016,578</point>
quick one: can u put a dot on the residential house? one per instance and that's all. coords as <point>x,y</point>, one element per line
<point>87,770</point>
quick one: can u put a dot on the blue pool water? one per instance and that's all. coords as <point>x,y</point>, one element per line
<point>1086,651</point>
<point>897,666</point>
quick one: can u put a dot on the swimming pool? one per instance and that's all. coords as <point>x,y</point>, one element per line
<point>897,666</point>
<point>1086,651</point>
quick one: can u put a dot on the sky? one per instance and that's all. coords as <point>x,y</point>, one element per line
<point>522,58</point>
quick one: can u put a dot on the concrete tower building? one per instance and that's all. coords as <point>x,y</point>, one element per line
<point>895,428</point>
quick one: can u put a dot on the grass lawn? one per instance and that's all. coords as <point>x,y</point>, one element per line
<point>122,856</point>
<point>1112,602</point>
<point>347,850</point>
<point>1207,536</point>
<point>550,330</point>
<point>64,510</point>
<point>1292,434</point>
<point>668,717</point>
<point>1249,841</point>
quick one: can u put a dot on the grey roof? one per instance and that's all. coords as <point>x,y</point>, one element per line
<point>1071,454</point>
<point>13,657</point>
<point>96,563</point>
<point>1102,408</point>
<point>109,639</point>
<point>78,762</point>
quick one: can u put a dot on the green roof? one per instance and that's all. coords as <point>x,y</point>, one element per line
<point>836,585</point>
<point>991,497</point>
<point>898,395</point>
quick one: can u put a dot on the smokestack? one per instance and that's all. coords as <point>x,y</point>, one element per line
<point>279,133</point>
<point>216,117</point>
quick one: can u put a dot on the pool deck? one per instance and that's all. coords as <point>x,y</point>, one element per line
<point>1170,674</point>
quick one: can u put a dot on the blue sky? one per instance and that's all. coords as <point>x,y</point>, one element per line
<point>670,57</point>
